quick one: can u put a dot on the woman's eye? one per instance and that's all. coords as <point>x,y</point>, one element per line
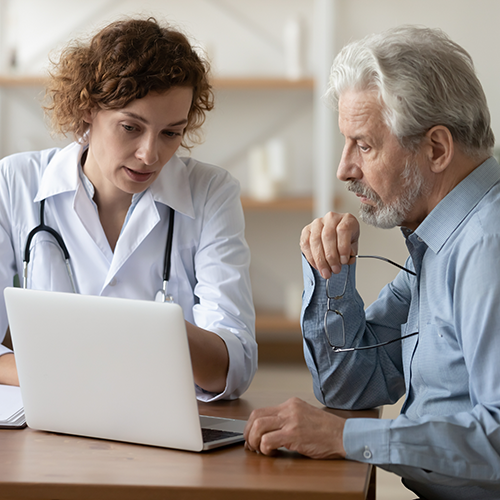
<point>170,133</point>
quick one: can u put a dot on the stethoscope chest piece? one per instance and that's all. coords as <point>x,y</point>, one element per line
<point>161,296</point>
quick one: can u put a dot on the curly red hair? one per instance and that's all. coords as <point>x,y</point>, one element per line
<point>125,61</point>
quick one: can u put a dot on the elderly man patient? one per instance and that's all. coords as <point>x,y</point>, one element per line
<point>417,154</point>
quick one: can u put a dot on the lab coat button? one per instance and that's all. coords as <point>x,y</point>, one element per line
<point>367,453</point>
<point>112,282</point>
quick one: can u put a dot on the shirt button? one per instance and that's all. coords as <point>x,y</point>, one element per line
<point>367,453</point>
<point>419,239</point>
<point>112,282</point>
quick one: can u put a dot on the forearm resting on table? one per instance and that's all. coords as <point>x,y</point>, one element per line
<point>8,370</point>
<point>209,357</point>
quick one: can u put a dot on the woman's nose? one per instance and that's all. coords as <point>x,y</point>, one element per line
<point>148,151</point>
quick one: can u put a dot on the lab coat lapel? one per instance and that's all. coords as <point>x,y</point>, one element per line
<point>173,188</point>
<point>61,176</point>
<point>142,221</point>
<point>87,213</point>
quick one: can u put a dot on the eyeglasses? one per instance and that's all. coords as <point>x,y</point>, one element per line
<point>335,334</point>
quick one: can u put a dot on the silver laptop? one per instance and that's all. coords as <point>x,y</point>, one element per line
<point>110,368</point>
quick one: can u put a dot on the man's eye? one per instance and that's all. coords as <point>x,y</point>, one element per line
<point>128,128</point>
<point>364,148</point>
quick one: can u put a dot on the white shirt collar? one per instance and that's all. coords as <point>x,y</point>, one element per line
<point>171,188</point>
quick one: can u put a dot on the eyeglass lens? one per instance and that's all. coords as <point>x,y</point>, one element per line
<point>334,324</point>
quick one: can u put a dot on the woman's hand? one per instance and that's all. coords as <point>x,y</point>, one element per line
<point>8,370</point>
<point>209,357</point>
<point>330,241</point>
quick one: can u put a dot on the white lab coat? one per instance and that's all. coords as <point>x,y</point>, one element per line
<point>210,258</point>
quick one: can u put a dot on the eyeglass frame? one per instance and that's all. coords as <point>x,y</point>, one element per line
<point>340,348</point>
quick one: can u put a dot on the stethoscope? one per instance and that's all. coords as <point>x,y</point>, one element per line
<point>161,295</point>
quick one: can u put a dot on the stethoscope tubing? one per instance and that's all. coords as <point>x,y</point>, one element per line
<point>38,229</point>
<point>167,259</point>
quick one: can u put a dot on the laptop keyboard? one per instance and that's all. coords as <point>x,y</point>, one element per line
<point>210,435</point>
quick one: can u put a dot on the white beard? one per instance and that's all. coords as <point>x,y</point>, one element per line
<point>387,216</point>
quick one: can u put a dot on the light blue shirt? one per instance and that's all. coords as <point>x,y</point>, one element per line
<point>446,442</point>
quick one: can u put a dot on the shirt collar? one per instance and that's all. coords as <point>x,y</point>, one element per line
<point>449,213</point>
<point>61,174</point>
<point>172,186</point>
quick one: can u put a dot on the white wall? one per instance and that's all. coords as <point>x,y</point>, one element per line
<point>244,38</point>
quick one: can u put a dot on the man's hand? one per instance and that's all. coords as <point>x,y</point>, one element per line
<point>298,427</point>
<point>330,241</point>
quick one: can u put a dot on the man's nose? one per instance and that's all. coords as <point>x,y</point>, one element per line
<point>348,168</point>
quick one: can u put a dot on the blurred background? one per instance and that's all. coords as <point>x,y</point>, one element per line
<point>270,62</point>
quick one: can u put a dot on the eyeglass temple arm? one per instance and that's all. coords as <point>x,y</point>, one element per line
<point>386,260</point>
<point>362,348</point>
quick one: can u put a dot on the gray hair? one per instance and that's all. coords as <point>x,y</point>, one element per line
<point>422,79</point>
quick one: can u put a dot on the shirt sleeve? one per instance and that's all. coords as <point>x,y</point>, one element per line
<point>374,377</point>
<point>223,288</point>
<point>7,258</point>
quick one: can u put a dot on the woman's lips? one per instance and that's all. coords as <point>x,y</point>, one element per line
<point>138,176</point>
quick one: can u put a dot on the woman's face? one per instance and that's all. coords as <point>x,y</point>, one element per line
<point>128,147</point>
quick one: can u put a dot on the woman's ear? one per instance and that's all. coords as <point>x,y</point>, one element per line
<point>87,116</point>
<point>441,148</point>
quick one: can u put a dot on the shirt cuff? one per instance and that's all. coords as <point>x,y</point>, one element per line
<point>4,350</point>
<point>367,440</point>
<point>239,375</point>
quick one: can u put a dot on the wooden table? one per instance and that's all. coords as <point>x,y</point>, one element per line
<point>43,465</point>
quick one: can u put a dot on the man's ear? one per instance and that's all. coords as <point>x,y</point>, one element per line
<point>441,148</point>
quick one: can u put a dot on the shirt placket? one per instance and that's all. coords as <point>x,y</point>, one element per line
<point>417,249</point>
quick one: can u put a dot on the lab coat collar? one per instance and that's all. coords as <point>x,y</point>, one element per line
<point>172,187</point>
<point>61,174</point>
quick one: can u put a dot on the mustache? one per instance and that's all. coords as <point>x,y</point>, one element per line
<point>358,188</point>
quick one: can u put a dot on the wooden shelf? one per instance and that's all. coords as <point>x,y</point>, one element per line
<point>288,204</point>
<point>22,80</point>
<point>262,83</point>
<point>13,80</point>
<point>279,338</point>
<point>276,323</point>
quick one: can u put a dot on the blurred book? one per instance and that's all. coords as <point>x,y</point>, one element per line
<point>11,408</point>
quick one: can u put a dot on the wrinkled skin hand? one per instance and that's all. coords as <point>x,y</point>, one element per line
<point>297,426</point>
<point>330,241</point>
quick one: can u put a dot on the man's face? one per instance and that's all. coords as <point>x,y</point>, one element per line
<point>386,178</point>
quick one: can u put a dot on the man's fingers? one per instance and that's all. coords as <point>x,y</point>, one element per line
<point>305,245</point>
<point>330,241</point>
<point>347,238</point>
<point>318,246</point>
<point>256,432</point>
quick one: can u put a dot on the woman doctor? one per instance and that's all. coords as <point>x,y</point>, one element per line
<point>131,97</point>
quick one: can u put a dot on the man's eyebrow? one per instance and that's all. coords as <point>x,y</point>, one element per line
<point>143,120</point>
<point>359,137</point>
